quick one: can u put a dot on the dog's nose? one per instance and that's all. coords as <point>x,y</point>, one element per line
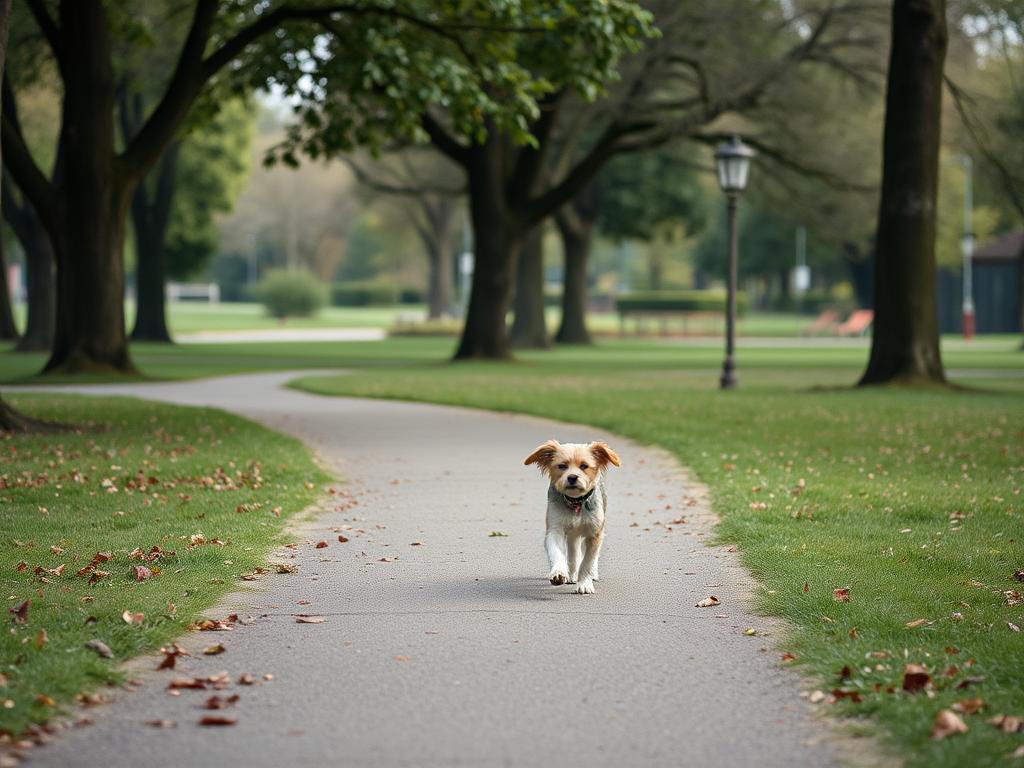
<point>572,479</point>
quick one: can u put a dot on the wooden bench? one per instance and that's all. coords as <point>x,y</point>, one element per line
<point>825,323</point>
<point>707,323</point>
<point>856,324</point>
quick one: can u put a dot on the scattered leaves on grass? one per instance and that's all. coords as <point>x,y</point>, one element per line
<point>968,706</point>
<point>852,634</point>
<point>967,682</point>
<point>213,650</point>
<point>21,566</point>
<point>1013,627</point>
<point>20,612</point>
<point>1007,723</point>
<point>41,638</point>
<point>853,696</point>
<point>302,618</point>
<point>787,656</point>
<point>46,701</point>
<point>915,678</point>
<point>133,618</point>
<point>946,724</point>
<point>1018,576</point>
<point>58,571</point>
<point>141,573</point>
<point>841,595</point>
<point>1013,597</point>
<point>216,720</point>
<point>709,601</point>
<point>101,648</point>
<point>171,654</point>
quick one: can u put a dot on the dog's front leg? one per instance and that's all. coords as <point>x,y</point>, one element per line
<point>555,544</point>
<point>575,549</point>
<point>588,568</point>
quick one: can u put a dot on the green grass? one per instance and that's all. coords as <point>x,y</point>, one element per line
<point>886,476</point>
<point>196,467</point>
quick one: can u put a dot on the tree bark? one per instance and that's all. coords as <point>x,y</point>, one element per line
<point>485,332</point>
<point>151,213</point>
<point>8,329</point>
<point>905,335</point>
<point>39,269</point>
<point>529,329</point>
<point>436,236</point>
<point>577,237</point>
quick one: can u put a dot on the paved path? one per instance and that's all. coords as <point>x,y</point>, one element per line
<point>458,652</point>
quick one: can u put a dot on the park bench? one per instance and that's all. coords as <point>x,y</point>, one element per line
<point>700,312</point>
<point>825,322</point>
<point>856,324</point>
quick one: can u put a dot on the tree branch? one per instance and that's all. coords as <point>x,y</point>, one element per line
<point>444,141</point>
<point>48,27</point>
<point>19,161</point>
<point>415,189</point>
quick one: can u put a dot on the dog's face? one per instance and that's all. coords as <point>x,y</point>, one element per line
<point>573,467</point>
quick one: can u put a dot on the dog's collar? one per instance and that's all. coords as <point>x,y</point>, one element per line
<point>576,504</point>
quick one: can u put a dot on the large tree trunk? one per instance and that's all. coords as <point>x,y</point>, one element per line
<point>151,213</point>
<point>40,279</point>
<point>529,330</point>
<point>577,237</point>
<point>436,236</point>
<point>485,332</point>
<point>8,329</point>
<point>905,335</point>
<point>87,227</point>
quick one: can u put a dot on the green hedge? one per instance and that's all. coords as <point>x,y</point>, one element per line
<point>290,293</point>
<point>373,294</point>
<point>677,301</point>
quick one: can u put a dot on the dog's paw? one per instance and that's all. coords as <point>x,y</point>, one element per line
<point>558,577</point>
<point>585,587</point>
<point>573,578</point>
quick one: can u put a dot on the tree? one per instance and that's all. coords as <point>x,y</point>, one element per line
<point>576,222</point>
<point>905,335</point>
<point>85,214</point>
<point>529,326</point>
<point>39,268</point>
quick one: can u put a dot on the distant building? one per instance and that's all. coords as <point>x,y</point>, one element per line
<point>998,274</point>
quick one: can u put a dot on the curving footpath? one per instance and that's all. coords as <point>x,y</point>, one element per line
<point>457,651</point>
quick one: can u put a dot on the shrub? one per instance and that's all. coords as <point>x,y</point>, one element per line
<point>290,293</point>
<point>364,294</point>
<point>677,301</point>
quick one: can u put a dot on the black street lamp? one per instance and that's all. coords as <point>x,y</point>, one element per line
<point>733,162</point>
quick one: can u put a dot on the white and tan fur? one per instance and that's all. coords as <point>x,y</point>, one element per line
<point>574,536</point>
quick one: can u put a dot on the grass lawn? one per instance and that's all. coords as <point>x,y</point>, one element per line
<point>137,475</point>
<point>912,500</point>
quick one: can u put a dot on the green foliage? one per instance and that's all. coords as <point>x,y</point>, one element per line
<point>484,62</point>
<point>365,294</point>
<point>677,301</point>
<point>290,293</point>
<point>176,446</point>
<point>211,170</point>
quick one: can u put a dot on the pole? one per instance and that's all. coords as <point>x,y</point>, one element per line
<point>728,380</point>
<point>967,246</point>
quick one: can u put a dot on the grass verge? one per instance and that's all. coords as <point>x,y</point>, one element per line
<point>211,490</point>
<point>911,500</point>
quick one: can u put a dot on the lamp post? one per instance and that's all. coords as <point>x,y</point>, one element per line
<point>732,160</point>
<point>967,250</point>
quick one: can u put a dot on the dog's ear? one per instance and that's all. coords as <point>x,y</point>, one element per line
<point>544,456</point>
<point>604,454</point>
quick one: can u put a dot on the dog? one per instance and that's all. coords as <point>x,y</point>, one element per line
<point>577,503</point>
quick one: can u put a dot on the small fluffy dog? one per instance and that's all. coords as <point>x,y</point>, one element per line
<point>576,508</point>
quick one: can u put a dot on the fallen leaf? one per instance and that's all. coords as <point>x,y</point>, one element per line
<point>1017,753</point>
<point>416,544</point>
<point>46,701</point>
<point>56,550</point>
<point>750,632</point>
<point>915,677</point>
<point>212,625</point>
<point>1007,723</point>
<point>220,702</point>
<point>787,656</point>
<point>844,673</point>
<point>495,534</point>
<point>286,568</point>
<point>216,720</point>
<point>304,619</point>
<point>246,679</point>
<point>133,618</point>
<point>916,623</point>
<point>171,654</point>
<point>402,658</point>
<point>807,587</point>
<point>841,595</point>
<point>853,696</point>
<point>342,539</point>
<point>51,571</point>
<point>321,545</point>
<point>160,723</point>
<point>968,706</point>
<point>20,612</point>
<point>816,697</point>
<point>101,648</point>
<point>852,634</point>
<point>213,650</point>
<point>21,566</point>
<point>189,683</point>
<point>1013,627</point>
<point>946,724</point>
<point>1018,576</point>
<point>96,575</point>
<point>707,602</point>
<point>141,573</point>
<point>967,682</point>
<point>41,638</point>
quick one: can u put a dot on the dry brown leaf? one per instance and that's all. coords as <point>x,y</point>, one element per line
<point>946,724</point>
<point>217,720</point>
<point>160,723</point>
<point>841,595</point>
<point>101,648</point>
<point>20,612</point>
<point>787,656</point>
<point>1013,627</point>
<point>915,677</point>
<point>41,638</point>
<point>302,618</point>
<point>968,706</point>
<point>141,573</point>
<point>916,623</point>
<point>213,650</point>
<point>46,701</point>
<point>321,545</point>
<point>171,654</point>
<point>342,539</point>
<point>220,702</point>
<point>1013,597</point>
<point>709,601</point>
<point>967,682</point>
<point>286,568</point>
<point>246,679</point>
<point>133,618</point>
<point>1007,723</point>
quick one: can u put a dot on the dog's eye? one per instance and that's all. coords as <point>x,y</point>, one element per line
<point>563,466</point>
<point>583,466</point>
